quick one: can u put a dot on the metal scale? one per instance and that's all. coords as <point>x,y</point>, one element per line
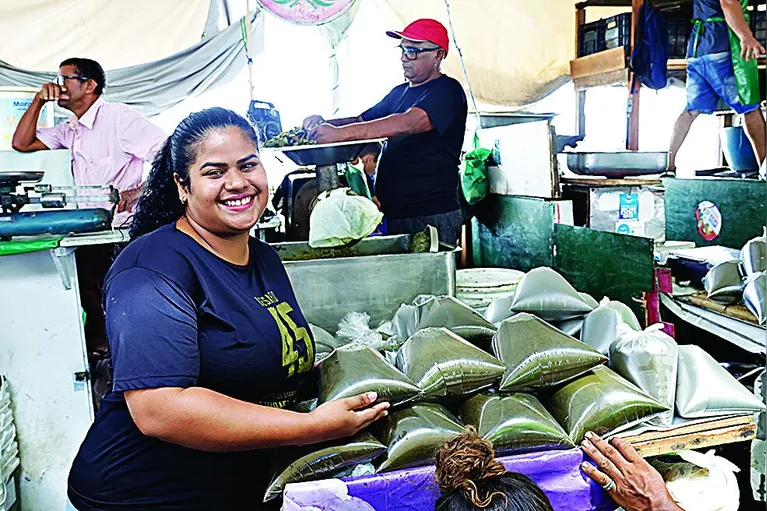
<point>20,189</point>
<point>327,159</point>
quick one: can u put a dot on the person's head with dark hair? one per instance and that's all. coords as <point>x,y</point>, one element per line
<point>471,478</point>
<point>369,157</point>
<point>208,171</point>
<point>87,69</point>
<point>80,84</point>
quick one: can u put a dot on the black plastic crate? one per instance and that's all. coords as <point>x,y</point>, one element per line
<point>759,25</point>
<point>604,34</point>
<point>618,31</point>
<point>678,38</point>
<point>591,38</point>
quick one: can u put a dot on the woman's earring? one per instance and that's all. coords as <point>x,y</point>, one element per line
<point>182,199</point>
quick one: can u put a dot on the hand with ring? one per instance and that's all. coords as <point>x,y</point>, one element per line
<point>626,476</point>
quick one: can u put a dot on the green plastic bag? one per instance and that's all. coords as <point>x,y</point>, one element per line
<point>350,371</point>
<point>474,182</point>
<point>514,423</point>
<point>415,434</point>
<point>14,247</point>
<point>746,72</point>
<point>315,462</point>
<point>444,365</point>
<point>357,181</point>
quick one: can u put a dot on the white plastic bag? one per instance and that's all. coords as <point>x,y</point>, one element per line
<point>340,217</point>
<point>600,328</point>
<point>701,482</point>
<point>649,360</point>
<point>354,329</point>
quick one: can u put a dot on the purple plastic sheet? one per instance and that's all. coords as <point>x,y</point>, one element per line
<point>558,474</point>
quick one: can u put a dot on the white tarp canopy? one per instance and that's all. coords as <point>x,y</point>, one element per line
<point>516,51</point>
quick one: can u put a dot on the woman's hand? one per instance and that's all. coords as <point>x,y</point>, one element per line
<point>637,485</point>
<point>345,417</point>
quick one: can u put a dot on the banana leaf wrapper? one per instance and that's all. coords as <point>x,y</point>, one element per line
<point>414,434</point>
<point>706,389</point>
<point>602,402</point>
<point>443,365</point>
<point>538,356</point>
<point>348,372</point>
<point>322,461</point>
<point>514,423</point>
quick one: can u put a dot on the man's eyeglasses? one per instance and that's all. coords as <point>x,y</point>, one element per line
<point>60,79</point>
<point>412,53</point>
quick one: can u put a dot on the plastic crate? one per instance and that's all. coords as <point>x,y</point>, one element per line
<point>604,34</point>
<point>678,38</point>
<point>759,25</point>
<point>618,31</point>
<point>591,38</point>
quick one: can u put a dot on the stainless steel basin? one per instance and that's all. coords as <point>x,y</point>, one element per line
<point>375,276</point>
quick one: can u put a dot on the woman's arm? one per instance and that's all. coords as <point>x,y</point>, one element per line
<point>202,419</point>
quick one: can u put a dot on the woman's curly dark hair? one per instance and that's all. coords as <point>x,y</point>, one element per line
<point>471,478</point>
<point>159,203</point>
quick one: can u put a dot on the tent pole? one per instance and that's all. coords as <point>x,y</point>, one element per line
<point>249,46</point>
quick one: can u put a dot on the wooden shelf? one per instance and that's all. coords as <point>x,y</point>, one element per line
<point>696,436</point>
<point>607,67</point>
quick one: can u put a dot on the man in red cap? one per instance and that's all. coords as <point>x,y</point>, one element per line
<point>425,121</point>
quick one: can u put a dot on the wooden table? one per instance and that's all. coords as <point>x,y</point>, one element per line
<point>740,312</point>
<point>696,436</point>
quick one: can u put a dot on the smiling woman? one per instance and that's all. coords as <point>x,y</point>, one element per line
<point>209,346</point>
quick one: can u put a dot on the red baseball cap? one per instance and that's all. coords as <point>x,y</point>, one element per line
<point>424,30</point>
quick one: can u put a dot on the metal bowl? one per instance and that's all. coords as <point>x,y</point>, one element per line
<point>327,154</point>
<point>618,164</point>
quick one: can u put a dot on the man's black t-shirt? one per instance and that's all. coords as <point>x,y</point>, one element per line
<point>179,316</point>
<point>418,174</point>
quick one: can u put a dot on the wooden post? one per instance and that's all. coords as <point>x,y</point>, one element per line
<point>580,101</point>
<point>632,128</point>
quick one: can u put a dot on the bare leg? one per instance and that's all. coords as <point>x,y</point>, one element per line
<point>681,129</point>
<point>756,129</point>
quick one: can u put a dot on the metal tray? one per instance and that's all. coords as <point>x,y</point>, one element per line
<point>618,164</point>
<point>375,276</point>
<point>327,154</point>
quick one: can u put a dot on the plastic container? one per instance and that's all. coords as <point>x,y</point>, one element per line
<point>604,34</point>
<point>737,149</point>
<point>759,25</point>
<point>618,31</point>
<point>678,37</point>
<point>14,101</point>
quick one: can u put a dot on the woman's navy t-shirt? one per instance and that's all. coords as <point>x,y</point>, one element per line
<point>179,316</point>
<point>418,174</point>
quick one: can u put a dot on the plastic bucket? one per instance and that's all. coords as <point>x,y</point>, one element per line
<point>14,101</point>
<point>737,149</point>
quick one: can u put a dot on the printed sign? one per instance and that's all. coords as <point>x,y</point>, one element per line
<point>630,227</point>
<point>629,206</point>
<point>307,12</point>
<point>709,220</point>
